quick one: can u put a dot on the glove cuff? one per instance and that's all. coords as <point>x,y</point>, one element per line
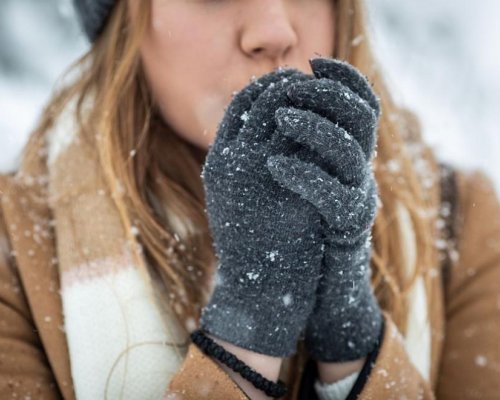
<point>345,334</point>
<point>266,329</point>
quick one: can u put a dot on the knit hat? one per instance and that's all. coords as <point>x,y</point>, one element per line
<point>93,15</point>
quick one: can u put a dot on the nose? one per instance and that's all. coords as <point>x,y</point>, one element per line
<point>268,33</point>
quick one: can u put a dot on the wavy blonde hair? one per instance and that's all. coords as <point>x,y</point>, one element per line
<point>160,172</point>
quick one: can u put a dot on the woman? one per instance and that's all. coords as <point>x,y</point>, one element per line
<point>132,196</point>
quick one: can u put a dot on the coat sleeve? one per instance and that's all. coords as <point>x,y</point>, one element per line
<point>470,367</point>
<point>200,377</point>
<point>391,375</point>
<point>24,369</point>
<point>388,373</point>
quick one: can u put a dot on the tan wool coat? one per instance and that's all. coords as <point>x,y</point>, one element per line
<point>464,312</point>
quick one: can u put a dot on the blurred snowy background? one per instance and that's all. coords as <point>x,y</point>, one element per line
<point>441,58</point>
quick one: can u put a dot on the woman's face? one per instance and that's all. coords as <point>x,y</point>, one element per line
<point>198,52</point>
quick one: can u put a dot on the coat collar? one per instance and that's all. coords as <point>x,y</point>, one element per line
<point>29,225</point>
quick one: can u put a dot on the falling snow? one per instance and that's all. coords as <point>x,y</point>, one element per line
<point>272,255</point>
<point>244,116</point>
<point>481,361</point>
<point>287,299</point>
<point>454,92</point>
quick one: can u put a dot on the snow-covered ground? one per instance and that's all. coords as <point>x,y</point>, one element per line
<point>441,58</point>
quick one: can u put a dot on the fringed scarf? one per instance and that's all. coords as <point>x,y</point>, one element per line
<point>121,342</point>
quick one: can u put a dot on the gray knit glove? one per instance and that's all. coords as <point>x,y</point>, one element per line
<point>266,238</point>
<point>336,116</point>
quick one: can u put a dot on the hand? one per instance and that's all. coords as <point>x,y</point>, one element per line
<point>266,237</point>
<point>336,116</point>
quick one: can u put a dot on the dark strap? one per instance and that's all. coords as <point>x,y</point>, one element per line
<point>212,349</point>
<point>447,212</point>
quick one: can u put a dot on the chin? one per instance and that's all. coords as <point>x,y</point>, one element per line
<point>204,139</point>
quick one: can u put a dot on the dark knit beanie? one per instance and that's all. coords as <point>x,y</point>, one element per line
<point>93,15</point>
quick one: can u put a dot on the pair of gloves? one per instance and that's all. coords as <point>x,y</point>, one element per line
<point>291,199</point>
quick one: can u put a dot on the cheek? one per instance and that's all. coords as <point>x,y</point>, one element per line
<point>188,105</point>
<point>319,37</point>
<point>178,60</point>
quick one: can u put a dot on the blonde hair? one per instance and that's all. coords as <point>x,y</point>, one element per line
<point>164,196</point>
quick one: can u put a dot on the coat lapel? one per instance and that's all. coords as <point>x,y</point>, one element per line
<point>29,225</point>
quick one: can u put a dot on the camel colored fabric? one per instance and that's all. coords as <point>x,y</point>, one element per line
<point>122,336</point>
<point>35,344</point>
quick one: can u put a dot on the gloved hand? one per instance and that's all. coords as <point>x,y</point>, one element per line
<point>336,116</point>
<point>266,238</point>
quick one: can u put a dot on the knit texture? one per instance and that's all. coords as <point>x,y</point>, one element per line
<point>265,236</point>
<point>121,343</point>
<point>336,391</point>
<point>92,15</point>
<point>332,119</point>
